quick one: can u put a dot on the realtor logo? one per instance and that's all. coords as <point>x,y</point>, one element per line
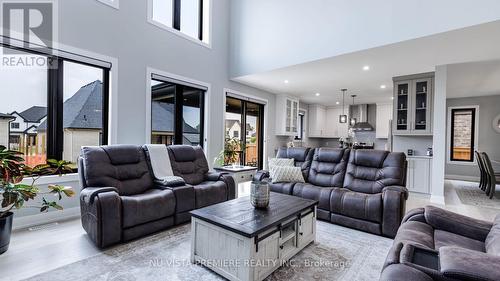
<point>30,25</point>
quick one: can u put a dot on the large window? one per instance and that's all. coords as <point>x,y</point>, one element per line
<point>189,17</point>
<point>463,133</point>
<point>176,113</point>
<point>244,132</point>
<point>55,108</point>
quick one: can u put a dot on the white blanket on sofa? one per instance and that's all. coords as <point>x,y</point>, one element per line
<point>160,161</point>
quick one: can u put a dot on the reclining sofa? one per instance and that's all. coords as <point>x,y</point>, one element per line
<point>120,199</point>
<point>435,244</point>
<point>361,189</point>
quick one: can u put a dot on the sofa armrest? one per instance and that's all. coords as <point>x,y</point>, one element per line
<point>394,206</point>
<point>452,222</point>
<point>465,264</point>
<point>214,176</point>
<point>89,194</point>
<point>101,210</point>
<point>401,272</point>
<point>416,214</point>
<point>168,182</point>
<point>261,175</point>
<point>230,185</point>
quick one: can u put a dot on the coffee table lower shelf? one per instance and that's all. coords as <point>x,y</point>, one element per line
<point>237,257</point>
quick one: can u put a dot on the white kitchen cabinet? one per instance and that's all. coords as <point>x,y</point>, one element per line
<point>413,97</point>
<point>419,174</point>
<point>324,122</point>
<point>316,120</point>
<point>287,116</point>
<point>384,115</point>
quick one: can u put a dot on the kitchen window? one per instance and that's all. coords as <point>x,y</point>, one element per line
<point>188,18</point>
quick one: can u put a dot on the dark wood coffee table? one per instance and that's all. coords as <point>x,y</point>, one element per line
<point>240,242</point>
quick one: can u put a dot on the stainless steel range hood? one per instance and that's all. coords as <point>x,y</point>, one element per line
<point>362,123</point>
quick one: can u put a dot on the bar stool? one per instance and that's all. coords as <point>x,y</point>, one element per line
<point>482,171</point>
<point>492,176</point>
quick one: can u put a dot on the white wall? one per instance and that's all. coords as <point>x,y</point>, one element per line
<point>272,34</point>
<point>126,35</point>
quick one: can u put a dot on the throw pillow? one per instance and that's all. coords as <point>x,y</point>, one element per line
<point>279,162</point>
<point>287,174</point>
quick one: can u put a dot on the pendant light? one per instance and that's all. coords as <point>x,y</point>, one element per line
<point>343,117</point>
<point>353,120</point>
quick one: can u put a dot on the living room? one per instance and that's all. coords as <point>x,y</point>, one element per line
<point>386,115</point>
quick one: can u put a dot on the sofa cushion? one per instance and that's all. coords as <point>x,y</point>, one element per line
<point>356,205</point>
<point>493,239</point>
<point>282,187</point>
<point>123,167</point>
<point>369,171</point>
<point>328,167</point>
<point>445,238</point>
<point>210,192</point>
<point>154,204</point>
<point>318,193</point>
<point>416,233</point>
<point>189,163</point>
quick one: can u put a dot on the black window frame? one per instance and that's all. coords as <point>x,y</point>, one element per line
<point>243,130</point>
<point>176,17</point>
<point>473,133</point>
<point>179,112</point>
<point>300,132</point>
<point>55,100</point>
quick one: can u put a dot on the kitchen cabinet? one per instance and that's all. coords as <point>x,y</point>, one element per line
<point>287,116</point>
<point>413,97</point>
<point>419,174</point>
<point>324,122</point>
<point>384,115</point>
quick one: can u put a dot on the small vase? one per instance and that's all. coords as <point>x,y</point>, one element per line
<point>259,194</point>
<point>5,231</point>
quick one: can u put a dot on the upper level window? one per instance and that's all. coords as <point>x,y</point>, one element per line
<point>14,125</point>
<point>189,17</point>
<point>463,134</point>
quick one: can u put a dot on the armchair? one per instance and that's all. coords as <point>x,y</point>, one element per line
<point>464,248</point>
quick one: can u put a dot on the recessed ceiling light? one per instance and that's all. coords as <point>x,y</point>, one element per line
<point>383,86</point>
<point>337,103</point>
<point>392,98</point>
<point>286,81</point>
<point>366,67</point>
<point>318,94</point>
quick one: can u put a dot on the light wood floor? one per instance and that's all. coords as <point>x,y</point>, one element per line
<point>35,251</point>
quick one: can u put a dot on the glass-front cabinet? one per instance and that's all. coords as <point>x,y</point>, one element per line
<point>287,116</point>
<point>413,104</point>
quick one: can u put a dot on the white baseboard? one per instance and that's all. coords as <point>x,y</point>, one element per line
<point>462,178</point>
<point>437,199</point>
<point>45,218</point>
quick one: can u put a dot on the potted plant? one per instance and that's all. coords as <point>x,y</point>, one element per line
<point>14,194</point>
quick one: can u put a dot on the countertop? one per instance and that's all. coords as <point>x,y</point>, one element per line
<point>419,156</point>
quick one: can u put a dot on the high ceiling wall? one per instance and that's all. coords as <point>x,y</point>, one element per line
<point>267,35</point>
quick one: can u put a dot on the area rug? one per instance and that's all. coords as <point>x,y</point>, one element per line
<point>338,254</point>
<point>472,195</point>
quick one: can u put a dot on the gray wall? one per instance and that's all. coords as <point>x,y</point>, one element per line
<point>273,34</point>
<point>126,35</point>
<point>489,139</point>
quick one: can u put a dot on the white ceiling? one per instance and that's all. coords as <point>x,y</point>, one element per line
<point>473,79</point>
<point>328,76</point>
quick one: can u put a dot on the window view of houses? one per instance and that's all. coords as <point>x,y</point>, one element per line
<point>23,121</point>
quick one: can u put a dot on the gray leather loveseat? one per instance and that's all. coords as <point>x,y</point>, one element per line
<point>121,201</point>
<point>362,189</point>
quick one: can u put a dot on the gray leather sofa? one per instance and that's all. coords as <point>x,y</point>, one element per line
<point>362,189</point>
<point>120,200</point>
<point>435,244</point>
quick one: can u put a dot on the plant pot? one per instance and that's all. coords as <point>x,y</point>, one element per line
<point>5,231</point>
